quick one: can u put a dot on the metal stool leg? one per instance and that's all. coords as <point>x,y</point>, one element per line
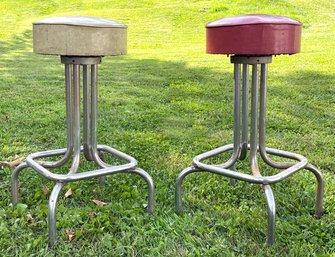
<point>66,157</point>
<point>319,190</point>
<point>240,148</point>
<point>245,90</point>
<point>52,214</point>
<point>90,92</point>
<point>254,124</point>
<point>91,149</point>
<point>86,115</point>
<point>178,191</point>
<point>151,187</point>
<point>271,214</point>
<point>15,183</point>
<point>237,144</point>
<point>257,142</point>
<point>283,165</point>
<point>17,171</point>
<point>253,150</point>
<point>74,120</point>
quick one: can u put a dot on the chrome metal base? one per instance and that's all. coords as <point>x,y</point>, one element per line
<point>241,146</point>
<point>90,149</point>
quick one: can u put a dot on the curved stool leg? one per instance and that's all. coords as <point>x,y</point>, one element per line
<point>15,182</point>
<point>310,167</point>
<point>52,213</point>
<point>271,213</point>
<point>319,190</point>
<point>151,187</point>
<point>179,181</point>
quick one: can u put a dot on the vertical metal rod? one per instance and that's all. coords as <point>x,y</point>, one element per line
<point>15,182</point>
<point>283,165</point>
<point>253,127</point>
<point>69,133</point>
<point>76,118</point>
<point>245,95</point>
<point>178,189</point>
<point>237,102</point>
<point>151,187</point>
<point>237,118</point>
<point>262,105</point>
<point>93,124</point>
<point>271,214</point>
<point>52,230</point>
<point>69,104</point>
<point>319,190</point>
<point>87,114</point>
<point>237,111</point>
<point>94,100</point>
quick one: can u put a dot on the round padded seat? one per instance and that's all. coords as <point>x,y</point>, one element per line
<point>253,34</point>
<point>79,36</point>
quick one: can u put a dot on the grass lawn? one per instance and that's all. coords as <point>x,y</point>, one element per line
<point>163,103</point>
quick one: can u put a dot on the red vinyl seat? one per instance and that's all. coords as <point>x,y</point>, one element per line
<point>253,34</point>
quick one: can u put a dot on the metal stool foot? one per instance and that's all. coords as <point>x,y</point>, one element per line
<point>151,187</point>
<point>178,191</point>
<point>271,214</point>
<point>15,183</point>
<point>52,214</point>
<point>319,190</point>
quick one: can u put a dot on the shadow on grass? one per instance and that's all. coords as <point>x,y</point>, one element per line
<point>180,105</point>
<point>135,95</point>
<point>149,105</point>
<point>161,112</point>
<point>16,42</point>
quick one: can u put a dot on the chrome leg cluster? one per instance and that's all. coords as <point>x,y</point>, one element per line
<point>256,145</point>
<point>90,148</point>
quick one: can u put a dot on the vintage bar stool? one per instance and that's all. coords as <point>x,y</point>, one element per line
<point>251,40</point>
<point>80,41</point>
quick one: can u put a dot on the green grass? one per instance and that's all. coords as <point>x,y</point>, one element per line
<point>163,103</point>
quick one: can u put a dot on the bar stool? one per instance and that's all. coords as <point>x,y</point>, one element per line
<point>251,40</point>
<point>81,42</point>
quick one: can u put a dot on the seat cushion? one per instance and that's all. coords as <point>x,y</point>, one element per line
<point>253,34</point>
<point>79,36</point>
